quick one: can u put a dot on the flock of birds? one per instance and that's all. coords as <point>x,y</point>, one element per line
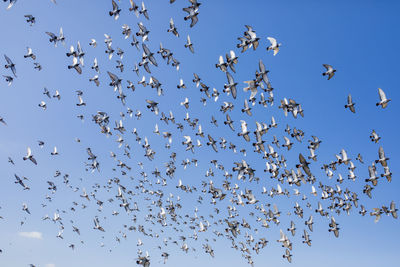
<point>226,188</point>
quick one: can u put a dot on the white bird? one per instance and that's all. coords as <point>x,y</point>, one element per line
<point>274,45</point>
<point>383,100</point>
<point>30,156</point>
<point>55,152</point>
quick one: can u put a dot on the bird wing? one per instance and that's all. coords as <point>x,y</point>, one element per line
<point>194,21</point>
<point>328,67</point>
<point>244,126</point>
<point>113,76</point>
<point>272,40</point>
<point>8,60</point>
<point>115,6</point>
<point>382,94</point>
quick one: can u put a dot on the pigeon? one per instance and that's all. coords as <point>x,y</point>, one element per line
<point>144,11</point>
<point>172,28</point>
<point>329,71</point>
<point>30,156</point>
<point>383,100</point>
<point>189,44</point>
<point>350,104</point>
<point>30,19</point>
<point>10,65</point>
<point>115,11</point>
<point>192,15</point>
<point>274,45</point>
<point>29,54</point>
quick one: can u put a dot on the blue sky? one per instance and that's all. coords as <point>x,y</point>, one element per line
<point>356,37</point>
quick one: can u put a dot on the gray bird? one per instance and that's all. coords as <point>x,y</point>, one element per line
<point>383,100</point>
<point>29,53</point>
<point>350,104</point>
<point>115,11</point>
<point>172,28</point>
<point>10,65</point>
<point>30,156</point>
<point>231,86</point>
<point>329,71</point>
<point>189,44</point>
<point>192,14</point>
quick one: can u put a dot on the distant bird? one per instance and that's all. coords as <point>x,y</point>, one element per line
<point>10,5</point>
<point>193,12</point>
<point>53,38</point>
<point>144,11</point>
<point>350,104</point>
<point>93,42</point>
<point>30,156</point>
<point>30,19</point>
<point>81,102</point>
<point>329,71</point>
<point>115,11</point>
<point>25,208</point>
<point>29,53</point>
<point>9,79</point>
<point>252,87</point>
<point>95,79</point>
<point>189,44</point>
<point>43,105</point>
<point>231,86</point>
<point>222,65</point>
<point>41,144</point>
<point>274,45</point>
<point>57,95</point>
<point>2,120</point>
<point>75,65</point>
<point>37,66</point>
<point>10,65</point>
<point>172,28</point>
<point>181,84</point>
<point>374,137</point>
<point>55,152</point>
<point>134,8</point>
<point>383,100</point>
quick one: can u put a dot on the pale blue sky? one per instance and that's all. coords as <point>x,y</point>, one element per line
<point>358,38</point>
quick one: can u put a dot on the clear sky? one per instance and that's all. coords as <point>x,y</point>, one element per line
<point>358,38</point>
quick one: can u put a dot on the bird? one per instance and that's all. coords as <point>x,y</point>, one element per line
<point>43,105</point>
<point>55,152</point>
<point>9,79</point>
<point>115,11</point>
<point>29,54</point>
<point>30,156</point>
<point>2,120</point>
<point>30,19</point>
<point>93,42</point>
<point>383,100</point>
<point>189,44</point>
<point>10,65</point>
<point>134,8</point>
<point>75,65</point>
<point>193,12</point>
<point>330,72</point>
<point>11,4</point>
<point>350,105</point>
<point>231,86</point>
<point>274,45</point>
<point>172,28</point>
<point>144,11</point>
<point>244,132</point>
<point>252,87</point>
